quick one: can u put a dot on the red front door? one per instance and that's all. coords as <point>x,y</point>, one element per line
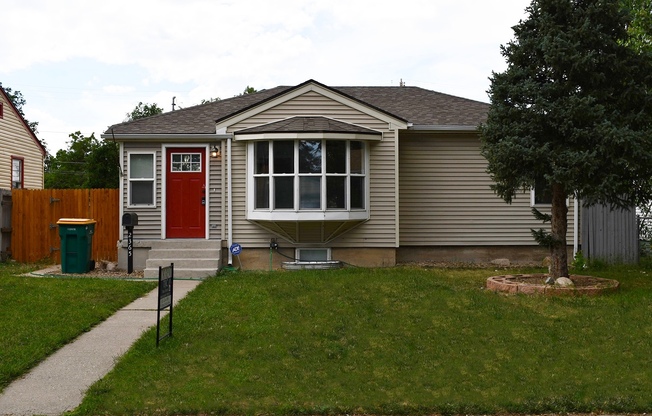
<point>186,193</point>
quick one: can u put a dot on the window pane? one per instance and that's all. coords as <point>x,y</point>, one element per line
<point>542,192</point>
<point>357,192</point>
<point>284,156</point>
<point>262,192</point>
<point>284,193</point>
<point>16,170</point>
<point>141,166</point>
<point>310,192</point>
<point>357,157</point>
<point>335,156</point>
<point>309,156</point>
<point>335,187</point>
<point>261,156</point>
<point>142,192</point>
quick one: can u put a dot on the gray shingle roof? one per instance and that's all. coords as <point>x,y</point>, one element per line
<point>308,125</point>
<point>412,104</point>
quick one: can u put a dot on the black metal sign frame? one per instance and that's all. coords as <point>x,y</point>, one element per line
<point>165,299</point>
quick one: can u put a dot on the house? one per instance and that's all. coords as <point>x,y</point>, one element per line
<point>371,176</point>
<point>21,153</point>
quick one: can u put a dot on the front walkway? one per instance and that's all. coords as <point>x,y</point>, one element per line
<point>59,383</point>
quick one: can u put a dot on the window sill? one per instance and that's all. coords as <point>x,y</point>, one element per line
<point>308,215</point>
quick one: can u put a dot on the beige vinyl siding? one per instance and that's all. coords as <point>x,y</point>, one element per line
<point>149,219</point>
<point>380,230</point>
<point>310,104</point>
<point>215,186</point>
<point>16,140</point>
<point>446,199</point>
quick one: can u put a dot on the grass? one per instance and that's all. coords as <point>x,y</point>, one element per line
<point>392,341</point>
<point>40,315</point>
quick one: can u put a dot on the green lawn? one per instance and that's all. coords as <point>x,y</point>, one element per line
<point>39,315</point>
<point>398,340</point>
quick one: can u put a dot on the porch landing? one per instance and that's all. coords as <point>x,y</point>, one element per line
<point>191,258</point>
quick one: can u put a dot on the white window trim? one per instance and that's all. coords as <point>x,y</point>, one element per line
<point>129,180</point>
<point>317,214</point>
<point>540,205</point>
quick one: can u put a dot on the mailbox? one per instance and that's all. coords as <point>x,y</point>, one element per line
<point>129,219</point>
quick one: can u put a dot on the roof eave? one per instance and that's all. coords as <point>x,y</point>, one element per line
<point>166,136</point>
<point>442,127</point>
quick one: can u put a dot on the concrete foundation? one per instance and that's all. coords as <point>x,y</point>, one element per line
<point>517,255</point>
<point>259,258</point>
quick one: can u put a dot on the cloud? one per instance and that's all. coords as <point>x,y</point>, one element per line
<point>89,63</point>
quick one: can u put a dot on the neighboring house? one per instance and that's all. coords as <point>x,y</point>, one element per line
<point>372,176</point>
<point>21,153</point>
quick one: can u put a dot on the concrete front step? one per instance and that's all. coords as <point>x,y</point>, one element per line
<point>183,263</point>
<point>182,273</point>
<point>192,258</point>
<point>186,244</point>
<point>160,253</point>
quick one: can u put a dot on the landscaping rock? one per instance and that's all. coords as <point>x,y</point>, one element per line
<point>564,282</point>
<point>110,266</point>
<point>501,262</point>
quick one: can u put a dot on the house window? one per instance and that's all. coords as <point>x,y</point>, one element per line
<point>141,179</point>
<point>541,194</point>
<point>17,173</point>
<point>313,254</point>
<point>1,110</point>
<point>309,175</point>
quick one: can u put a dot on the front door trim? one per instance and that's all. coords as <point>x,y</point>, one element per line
<point>164,169</point>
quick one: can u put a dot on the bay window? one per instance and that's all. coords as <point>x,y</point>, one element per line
<point>308,177</point>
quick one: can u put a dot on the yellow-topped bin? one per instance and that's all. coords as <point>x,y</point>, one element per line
<point>76,244</point>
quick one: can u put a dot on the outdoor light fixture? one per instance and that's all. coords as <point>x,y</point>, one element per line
<point>215,151</point>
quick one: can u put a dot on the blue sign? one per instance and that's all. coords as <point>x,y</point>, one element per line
<point>236,249</point>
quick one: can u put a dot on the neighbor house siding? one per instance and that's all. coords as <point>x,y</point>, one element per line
<point>380,230</point>
<point>16,141</point>
<point>149,219</point>
<point>446,199</point>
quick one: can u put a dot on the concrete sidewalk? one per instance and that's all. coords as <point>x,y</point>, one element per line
<point>59,383</point>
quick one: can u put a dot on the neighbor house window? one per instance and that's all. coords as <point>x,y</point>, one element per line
<point>17,173</point>
<point>1,110</point>
<point>142,179</point>
<point>541,194</point>
<point>309,175</point>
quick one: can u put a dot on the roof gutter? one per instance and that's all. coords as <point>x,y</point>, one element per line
<point>441,127</point>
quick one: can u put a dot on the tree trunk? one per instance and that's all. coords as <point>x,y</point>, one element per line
<point>558,251</point>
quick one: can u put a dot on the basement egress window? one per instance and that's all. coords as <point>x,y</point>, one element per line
<point>308,179</point>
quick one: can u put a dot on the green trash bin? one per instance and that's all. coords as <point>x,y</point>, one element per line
<point>76,244</point>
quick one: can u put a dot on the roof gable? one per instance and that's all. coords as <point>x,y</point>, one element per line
<point>29,131</point>
<point>309,86</point>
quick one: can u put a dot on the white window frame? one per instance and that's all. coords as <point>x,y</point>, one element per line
<point>313,214</point>
<point>130,180</point>
<point>21,172</point>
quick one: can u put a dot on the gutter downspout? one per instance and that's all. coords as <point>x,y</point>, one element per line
<point>229,197</point>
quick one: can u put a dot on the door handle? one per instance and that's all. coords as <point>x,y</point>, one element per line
<point>203,200</point>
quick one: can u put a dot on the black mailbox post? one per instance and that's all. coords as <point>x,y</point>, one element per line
<point>129,220</point>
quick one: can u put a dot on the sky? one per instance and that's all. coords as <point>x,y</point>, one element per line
<point>83,65</point>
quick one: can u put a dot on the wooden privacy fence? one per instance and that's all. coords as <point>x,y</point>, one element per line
<point>35,234</point>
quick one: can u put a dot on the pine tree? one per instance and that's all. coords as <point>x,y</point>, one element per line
<point>573,110</point>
